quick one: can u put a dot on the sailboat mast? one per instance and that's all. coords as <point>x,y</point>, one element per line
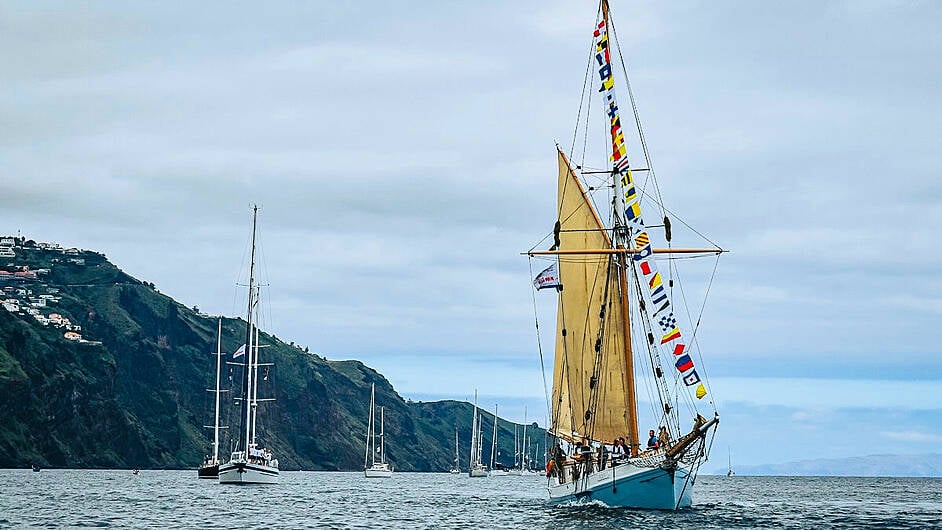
<point>474,432</point>
<point>254,402</point>
<point>370,442</point>
<point>523,442</point>
<point>631,394</point>
<point>516,446</point>
<point>619,242</point>
<point>218,368</point>
<point>382,434</point>
<point>246,380</point>
<point>494,440</point>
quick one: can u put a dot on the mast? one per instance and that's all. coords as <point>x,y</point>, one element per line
<point>457,459</point>
<point>246,379</point>
<point>494,440</point>
<point>621,240</point>
<point>516,446</point>
<point>631,394</point>
<point>370,440</point>
<point>523,443</point>
<point>218,368</point>
<point>474,433</point>
<point>254,402</point>
<point>382,434</point>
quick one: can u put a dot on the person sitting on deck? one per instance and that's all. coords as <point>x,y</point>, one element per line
<point>577,451</point>
<point>618,451</point>
<point>602,456</point>
<point>585,454</point>
<point>652,440</point>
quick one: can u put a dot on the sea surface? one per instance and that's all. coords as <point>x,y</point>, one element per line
<point>308,499</point>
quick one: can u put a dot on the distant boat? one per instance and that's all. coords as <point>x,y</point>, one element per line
<point>378,467</point>
<point>729,463</point>
<point>135,472</point>
<point>456,469</point>
<point>613,305</point>
<point>250,463</point>
<point>210,466</point>
<point>36,468</point>
<point>476,467</point>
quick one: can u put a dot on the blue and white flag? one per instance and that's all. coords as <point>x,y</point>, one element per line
<point>548,278</point>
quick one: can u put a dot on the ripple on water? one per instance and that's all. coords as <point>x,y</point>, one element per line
<point>177,499</point>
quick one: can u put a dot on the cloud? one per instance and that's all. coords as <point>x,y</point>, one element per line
<point>911,436</point>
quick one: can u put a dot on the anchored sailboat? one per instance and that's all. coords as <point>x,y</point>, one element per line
<point>613,306</point>
<point>210,466</point>
<point>476,467</point>
<point>250,463</point>
<point>456,469</point>
<point>376,454</point>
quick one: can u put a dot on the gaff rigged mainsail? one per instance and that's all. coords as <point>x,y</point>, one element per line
<point>591,393</point>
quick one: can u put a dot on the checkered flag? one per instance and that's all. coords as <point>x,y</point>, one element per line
<point>667,322</point>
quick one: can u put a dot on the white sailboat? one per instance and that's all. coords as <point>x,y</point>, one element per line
<point>614,305</point>
<point>729,462</point>
<point>376,454</point>
<point>210,466</point>
<point>476,467</point>
<point>456,469</point>
<point>250,463</point>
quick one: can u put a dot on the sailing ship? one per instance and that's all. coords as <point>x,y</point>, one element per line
<point>615,310</point>
<point>210,466</point>
<point>376,454</point>
<point>476,467</point>
<point>729,463</point>
<point>250,463</point>
<point>456,469</point>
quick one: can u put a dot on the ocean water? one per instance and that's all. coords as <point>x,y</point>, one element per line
<point>177,499</point>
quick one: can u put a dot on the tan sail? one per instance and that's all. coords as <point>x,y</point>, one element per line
<point>584,280</point>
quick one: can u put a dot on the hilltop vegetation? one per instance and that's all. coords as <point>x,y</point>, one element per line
<point>131,392</point>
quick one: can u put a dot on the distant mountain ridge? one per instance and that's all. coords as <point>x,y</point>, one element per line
<point>124,385</point>
<point>925,465</point>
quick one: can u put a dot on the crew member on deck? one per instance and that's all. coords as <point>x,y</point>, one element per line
<point>652,440</point>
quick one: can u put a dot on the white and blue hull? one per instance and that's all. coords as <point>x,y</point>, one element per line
<point>628,486</point>
<point>247,473</point>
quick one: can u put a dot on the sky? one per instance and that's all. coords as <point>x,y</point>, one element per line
<point>403,156</point>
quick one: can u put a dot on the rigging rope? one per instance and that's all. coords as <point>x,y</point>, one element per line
<point>539,343</point>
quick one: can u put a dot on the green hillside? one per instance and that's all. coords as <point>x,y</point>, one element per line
<point>128,387</point>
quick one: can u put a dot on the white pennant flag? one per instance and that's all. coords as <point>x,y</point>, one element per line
<point>548,278</point>
<point>240,352</point>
